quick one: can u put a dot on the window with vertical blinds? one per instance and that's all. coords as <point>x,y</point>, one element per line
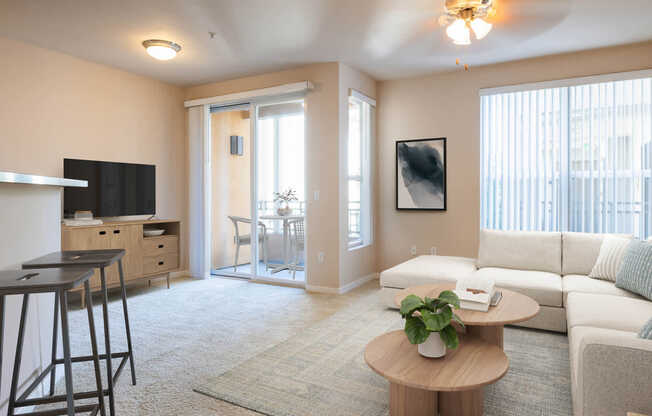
<point>568,158</point>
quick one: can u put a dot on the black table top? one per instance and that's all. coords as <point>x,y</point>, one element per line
<point>47,280</point>
<point>85,258</point>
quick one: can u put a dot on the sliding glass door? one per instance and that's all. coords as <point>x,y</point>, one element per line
<point>231,155</point>
<point>280,183</point>
<point>258,177</point>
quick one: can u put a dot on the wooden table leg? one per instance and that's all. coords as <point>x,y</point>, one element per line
<point>491,334</point>
<point>461,403</point>
<point>406,401</point>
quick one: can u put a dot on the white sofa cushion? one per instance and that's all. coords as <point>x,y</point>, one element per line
<point>585,284</point>
<point>525,250</point>
<point>424,270</point>
<point>607,311</point>
<point>543,287</point>
<point>579,252</point>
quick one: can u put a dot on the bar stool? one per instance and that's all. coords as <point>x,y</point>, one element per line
<point>19,282</point>
<point>97,259</point>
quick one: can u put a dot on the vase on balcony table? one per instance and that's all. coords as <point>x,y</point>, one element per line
<point>283,211</point>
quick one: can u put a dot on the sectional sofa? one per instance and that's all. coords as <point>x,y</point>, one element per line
<point>611,368</point>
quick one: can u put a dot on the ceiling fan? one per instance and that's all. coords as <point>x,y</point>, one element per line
<point>464,16</point>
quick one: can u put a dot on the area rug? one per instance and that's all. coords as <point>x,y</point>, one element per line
<point>321,371</point>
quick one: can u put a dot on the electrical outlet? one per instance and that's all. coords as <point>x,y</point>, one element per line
<point>320,257</point>
<point>433,251</point>
<point>413,250</point>
<point>316,195</point>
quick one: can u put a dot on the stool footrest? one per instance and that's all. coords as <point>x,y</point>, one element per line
<point>59,398</point>
<point>84,358</point>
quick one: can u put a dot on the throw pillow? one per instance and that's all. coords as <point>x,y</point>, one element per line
<point>635,274</point>
<point>612,251</point>
<point>646,331</point>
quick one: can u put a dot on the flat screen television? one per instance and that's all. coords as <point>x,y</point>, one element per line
<point>114,189</point>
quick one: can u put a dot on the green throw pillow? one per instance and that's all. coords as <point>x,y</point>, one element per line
<point>646,331</point>
<point>635,272</point>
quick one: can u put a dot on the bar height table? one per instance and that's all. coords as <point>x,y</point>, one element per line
<point>97,259</point>
<point>20,282</point>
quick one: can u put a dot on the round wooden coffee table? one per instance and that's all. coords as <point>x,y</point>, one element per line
<point>513,308</point>
<point>451,385</point>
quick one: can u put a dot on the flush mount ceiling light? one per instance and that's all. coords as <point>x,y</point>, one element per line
<point>161,49</point>
<point>464,16</point>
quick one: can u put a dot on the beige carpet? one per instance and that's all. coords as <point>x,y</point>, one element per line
<point>321,371</point>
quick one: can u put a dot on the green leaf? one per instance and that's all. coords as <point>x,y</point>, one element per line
<point>430,303</point>
<point>416,330</point>
<point>449,297</point>
<point>458,320</point>
<point>435,322</point>
<point>410,304</point>
<point>449,336</point>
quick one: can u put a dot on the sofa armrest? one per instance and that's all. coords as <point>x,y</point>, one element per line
<point>614,372</point>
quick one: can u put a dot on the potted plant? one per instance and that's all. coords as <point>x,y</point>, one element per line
<point>284,198</point>
<point>427,315</point>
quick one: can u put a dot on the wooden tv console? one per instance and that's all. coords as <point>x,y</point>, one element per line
<point>146,257</point>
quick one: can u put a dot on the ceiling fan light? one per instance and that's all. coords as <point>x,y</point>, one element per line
<point>458,31</point>
<point>480,28</point>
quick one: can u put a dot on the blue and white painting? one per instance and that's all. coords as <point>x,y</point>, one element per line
<point>421,174</point>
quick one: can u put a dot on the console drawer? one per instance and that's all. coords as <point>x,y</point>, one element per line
<point>165,244</point>
<point>161,263</point>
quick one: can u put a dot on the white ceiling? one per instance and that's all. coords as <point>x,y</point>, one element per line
<point>385,38</point>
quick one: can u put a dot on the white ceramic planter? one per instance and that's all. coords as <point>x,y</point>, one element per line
<point>433,347</point>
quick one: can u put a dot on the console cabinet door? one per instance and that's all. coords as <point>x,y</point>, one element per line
<point>94,238</point>
<point>129,237</point>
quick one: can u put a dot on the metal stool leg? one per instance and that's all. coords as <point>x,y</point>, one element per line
<point>107,341</point>
<point>96,357</point>
<point>19,354</point>
<point>2,331</point>
<point>124,308</point>
<point>67,362</point>
<point>55,330</point>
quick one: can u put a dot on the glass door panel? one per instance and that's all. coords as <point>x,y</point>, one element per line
<point>280,182</point>
<point>231,158</point>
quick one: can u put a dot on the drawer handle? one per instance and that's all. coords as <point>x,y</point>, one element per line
<point>161,245</point>
<point>116,231</point>
<point>102,232</point>
<point>160,263</point>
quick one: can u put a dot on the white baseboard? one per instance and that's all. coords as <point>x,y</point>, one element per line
<point>342,289</point>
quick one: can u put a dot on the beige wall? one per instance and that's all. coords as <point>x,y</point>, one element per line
<point>322,133</point>
<point>55,106</point>
<point>448,105</point>
<point>360,262</point>
<point>231,186</point>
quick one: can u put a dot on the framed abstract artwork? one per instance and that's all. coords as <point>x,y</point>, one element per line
<point>421,174</point>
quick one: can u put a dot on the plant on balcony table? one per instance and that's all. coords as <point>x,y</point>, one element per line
<point>428,315</point>
<point>285,197</point>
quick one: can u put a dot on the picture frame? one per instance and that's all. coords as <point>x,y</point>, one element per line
<point>421,174</point>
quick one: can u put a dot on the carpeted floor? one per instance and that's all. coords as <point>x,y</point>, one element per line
<point>205,334</point>
<point>321,371</point>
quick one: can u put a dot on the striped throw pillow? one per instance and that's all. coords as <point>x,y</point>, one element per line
<point>635,274</point>
<point>646,331</point>
<point>611,255</point>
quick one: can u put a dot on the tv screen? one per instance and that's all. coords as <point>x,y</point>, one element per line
<point>114,189</point>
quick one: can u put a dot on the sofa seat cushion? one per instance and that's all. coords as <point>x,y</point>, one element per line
<point>607,311</point>
<point>543,287</point>
<point>520,250</point>
<point>585,284</point>
<point>424,270</point>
